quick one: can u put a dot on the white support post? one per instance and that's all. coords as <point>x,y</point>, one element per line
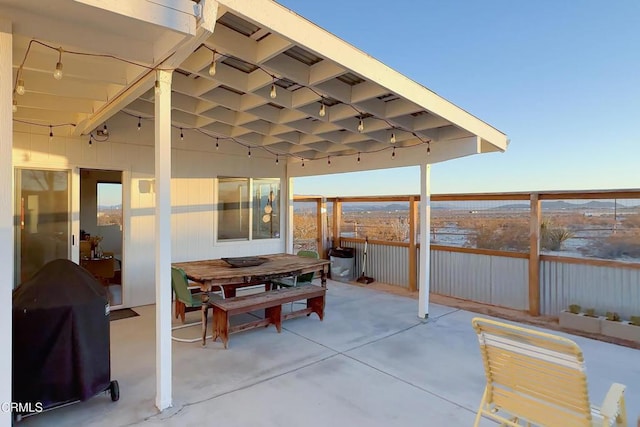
<point>6,213</point>
<point>289,216</point>
<point>425,240</point>
<point>163,238</point>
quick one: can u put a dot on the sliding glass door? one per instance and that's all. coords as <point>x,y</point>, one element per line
<point>43,221</point>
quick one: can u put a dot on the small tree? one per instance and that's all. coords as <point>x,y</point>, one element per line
<point>552,237</point>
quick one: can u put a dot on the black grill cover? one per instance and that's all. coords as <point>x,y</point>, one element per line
<point>60,336</point>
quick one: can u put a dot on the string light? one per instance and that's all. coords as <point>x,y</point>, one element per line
<point>392,140</point>
<point>248,151</point>
<point>181,135</point>
<point>212,67</point>
<point>361,126</point>
<point>50,133</point>
<point>323,111</point>
<point>90,140</point>
<point>57,74</point>
<point>217,144</point>
<point>158,88</point>
<point>20,86</point>
<point>393,153</point>
<point>358,157</point>
<point>104,129</point>
<point>139,122</point>
<point>428,148</point>
<point>329,160</point>
<point>303,162</point>
<point>14,107</point>
<point>277,159</point>
<point>273,92</point>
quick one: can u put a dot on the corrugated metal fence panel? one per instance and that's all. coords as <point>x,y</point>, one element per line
<point>483,278</point>
<point>591,286</point>
<point>387,264</point>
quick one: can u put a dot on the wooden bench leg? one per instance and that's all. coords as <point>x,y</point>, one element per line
<point>220,326</point>
<point>274,314</point>
<point>316,304</point>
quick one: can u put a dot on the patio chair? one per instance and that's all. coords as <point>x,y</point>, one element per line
<point>302,279</point>
<point>535,378</point>
<point>185,299</point>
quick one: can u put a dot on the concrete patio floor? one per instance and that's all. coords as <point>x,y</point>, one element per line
<point>371,362</point>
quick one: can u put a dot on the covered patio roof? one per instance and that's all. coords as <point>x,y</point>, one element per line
<point>280,83</point>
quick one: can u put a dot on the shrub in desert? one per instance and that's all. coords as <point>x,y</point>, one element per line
<point>552,237</point>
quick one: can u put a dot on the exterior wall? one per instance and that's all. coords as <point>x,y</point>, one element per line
<point>195,165</point>
<point>603,288</point>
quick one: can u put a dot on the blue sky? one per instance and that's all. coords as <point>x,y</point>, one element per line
<point>560,78</point>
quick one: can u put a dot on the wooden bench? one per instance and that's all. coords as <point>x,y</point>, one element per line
<point>271,302</point>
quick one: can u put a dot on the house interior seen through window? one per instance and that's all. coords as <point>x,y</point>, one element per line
<point>248,209</point>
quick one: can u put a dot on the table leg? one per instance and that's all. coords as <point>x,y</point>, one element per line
<point>205,312</point>
<point>323,277</point>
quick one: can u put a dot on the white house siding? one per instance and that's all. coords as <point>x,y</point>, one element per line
<point>195,165</point>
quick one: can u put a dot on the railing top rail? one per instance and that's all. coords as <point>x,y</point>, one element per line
<point>542,195</point>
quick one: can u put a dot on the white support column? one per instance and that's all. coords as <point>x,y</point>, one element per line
<point>425,240</point>
<point>289,214</point>
<point>163,238</point>
<point>6,213</point>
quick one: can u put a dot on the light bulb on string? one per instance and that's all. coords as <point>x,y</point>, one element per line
<point>248,151</point>
<point>323,110</point>
<point>217,144</point>
<point>392,140</point>
<point>361,126</point>
<point>428,148</point>
<point>277,159</point>
<point>14,107</point>
<point>158,89</point>
<point>57,74</point>
<point>329,160</point>
<point>393,153</point>
<point>104,129</point>
<point>50,133</point>
<point>20,87</point>
<point>181,135</point>
<point>90,140</point>
<point>273,94</point>
<point>139,123</point>
<point>303,162</point>
<point>212,67</point>
<point>358,157</point>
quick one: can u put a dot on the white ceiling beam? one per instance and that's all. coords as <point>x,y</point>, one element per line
<point>366,90</point>
<point>290,68</point>
<point>177,15</point>
<point>429,121</point>
<point>270,47</point>
<point>46,117</point>
<point>323,71</point>
<point>56,103</point>
<point>39,82</point>
<point>227,41</point>
<point>400,107</point>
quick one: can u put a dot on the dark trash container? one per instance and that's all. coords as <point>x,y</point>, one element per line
<point>342,266</point>
<point>61,343</point>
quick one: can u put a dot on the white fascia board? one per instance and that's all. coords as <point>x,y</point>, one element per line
<point>304,33</point>
<point>176,15</point>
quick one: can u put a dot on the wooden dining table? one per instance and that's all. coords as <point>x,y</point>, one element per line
<point>213,273</point>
